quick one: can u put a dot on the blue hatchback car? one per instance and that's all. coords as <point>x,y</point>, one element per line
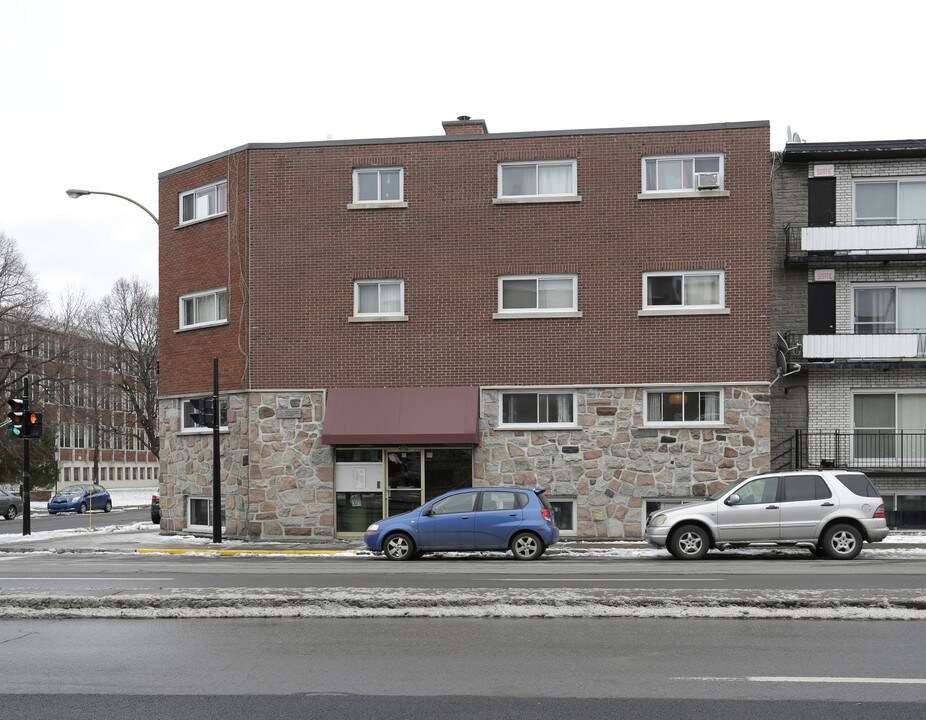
<point>80,498</point>
<point>472,519</point>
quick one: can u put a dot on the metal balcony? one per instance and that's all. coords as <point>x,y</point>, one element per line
<point>844,244</point>
<point>882,346</point>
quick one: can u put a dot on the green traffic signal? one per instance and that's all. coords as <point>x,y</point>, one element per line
<point>17,416</point>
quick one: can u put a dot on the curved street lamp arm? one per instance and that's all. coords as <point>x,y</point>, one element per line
<point>80,193</point>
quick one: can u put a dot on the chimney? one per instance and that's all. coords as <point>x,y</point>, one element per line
<point>465,125</point>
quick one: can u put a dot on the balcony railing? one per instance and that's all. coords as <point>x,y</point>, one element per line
<point>854,346</point>
<point>856,242</point>
<point>861,449</point>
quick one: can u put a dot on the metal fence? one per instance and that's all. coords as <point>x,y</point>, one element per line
<point>862,449</point>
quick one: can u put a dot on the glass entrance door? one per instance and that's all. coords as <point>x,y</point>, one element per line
<point>403,487</point>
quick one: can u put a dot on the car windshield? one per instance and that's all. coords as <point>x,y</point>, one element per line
<point>73,490</point>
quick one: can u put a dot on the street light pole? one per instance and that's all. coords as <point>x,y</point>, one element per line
<point>72,193</point>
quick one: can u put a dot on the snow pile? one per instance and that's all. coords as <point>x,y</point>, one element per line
<point>474,603</point>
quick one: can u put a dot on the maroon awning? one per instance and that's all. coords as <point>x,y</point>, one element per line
<point>402,416</point>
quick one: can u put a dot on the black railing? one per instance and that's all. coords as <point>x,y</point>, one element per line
<point>862,449</point>
<point>783,456</point>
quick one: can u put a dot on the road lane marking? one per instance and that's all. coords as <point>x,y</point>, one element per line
<point>561,579</point>
<point>79,577</point>
<point>241,551</point>
<point>798,679</point>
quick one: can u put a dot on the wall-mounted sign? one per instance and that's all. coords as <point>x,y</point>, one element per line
<point>824,171</point>
<point>824,276</point>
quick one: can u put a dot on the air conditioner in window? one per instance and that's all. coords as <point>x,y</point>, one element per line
<point>707,180</point>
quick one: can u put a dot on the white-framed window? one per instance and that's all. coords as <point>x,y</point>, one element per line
<point>187,423</point>
<point>544,294</point>
<point>889,425</point>
<point>204,308</point>
<point>885,201</point>
<point>683,173</point>
<point>683,290</point>
<point>565,515</point>
<point>378,298</point>
<point>683,407</point>
<point>889,309</point>
<point>537,409</point>
<point>204,202</point>
<point>537,179</point>
<point>379,185</point>
<point>199,512</point>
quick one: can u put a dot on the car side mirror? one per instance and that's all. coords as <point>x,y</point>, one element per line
<point>734,499</point>
<point>426,511</point>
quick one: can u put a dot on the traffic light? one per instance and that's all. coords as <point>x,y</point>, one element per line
<point>17,416</point>
<point>202,413</point>
<point>32,425</point>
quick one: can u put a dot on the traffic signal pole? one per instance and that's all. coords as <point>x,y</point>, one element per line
<point>27,477</point>
<point>216,456</point>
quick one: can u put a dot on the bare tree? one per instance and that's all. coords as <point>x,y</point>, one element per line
<point>127,320</point>
<point>21,305</point>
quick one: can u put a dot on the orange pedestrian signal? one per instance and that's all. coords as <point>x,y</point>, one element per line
<point>32,427</point>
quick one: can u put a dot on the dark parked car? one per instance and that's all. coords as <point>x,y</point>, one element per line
<point>10,505</point>
<point>156,509</point>
<point>80,498</point>
<point>494,518</point>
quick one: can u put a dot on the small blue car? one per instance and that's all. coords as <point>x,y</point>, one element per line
<point>494,518</point>
<point>80,499</point>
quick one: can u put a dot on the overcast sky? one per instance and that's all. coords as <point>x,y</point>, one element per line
<point>105,95</point>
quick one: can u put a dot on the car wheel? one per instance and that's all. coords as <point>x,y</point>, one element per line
<point>689,542</point>
<point>842,542</point>
<point>399,546</point>
<point>10,512</point>
<point>108,506</point>
<point>82,508</point>
<point>526,546</point>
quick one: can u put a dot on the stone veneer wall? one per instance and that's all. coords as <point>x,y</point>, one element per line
<point>620,462</point>
<point>278,479</point>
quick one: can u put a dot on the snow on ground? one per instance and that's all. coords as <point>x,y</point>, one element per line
<point>872,604</point>
<point>122,498</point>
<point>146,535</point>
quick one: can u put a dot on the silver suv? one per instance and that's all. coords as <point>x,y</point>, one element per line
<point>833,511</point>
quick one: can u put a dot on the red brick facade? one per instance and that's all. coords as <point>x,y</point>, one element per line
<point>289,250</point>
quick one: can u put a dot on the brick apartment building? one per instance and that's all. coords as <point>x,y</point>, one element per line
<point>849,264</point>
<point>96,433</point>
<point>582,310</point>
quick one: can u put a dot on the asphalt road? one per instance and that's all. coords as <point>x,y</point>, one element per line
<point>455,668</point>
<point>42,522</point>
<point>21,571</point>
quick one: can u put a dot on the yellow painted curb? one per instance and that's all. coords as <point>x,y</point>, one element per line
<point>186,551</point>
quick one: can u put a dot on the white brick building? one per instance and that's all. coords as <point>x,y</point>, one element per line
<point>852,310</point>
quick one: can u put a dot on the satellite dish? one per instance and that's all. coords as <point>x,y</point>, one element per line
<point>781,344</point>
<point>781,362</point>
<point>789,134</point>
<point>796,138</point>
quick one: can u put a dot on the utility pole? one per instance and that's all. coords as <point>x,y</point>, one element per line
<point>216,458</point>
